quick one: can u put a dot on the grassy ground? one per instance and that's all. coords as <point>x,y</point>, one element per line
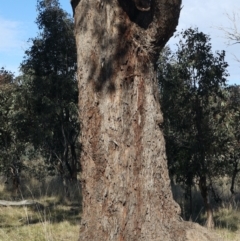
<point>226,215</point>
<point>53,219</point>
<point>227,220</point>
<point>38,231</point>
<point>58,222</point>
<point>58,219</point>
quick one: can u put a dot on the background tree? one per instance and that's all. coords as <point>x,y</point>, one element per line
<point>191,85</point>
<point>231,147</point>
<point>126,187</point>
<point>49,90</point>
<point>232,33</point>
<point>6,102</point>
<point>10,149</point>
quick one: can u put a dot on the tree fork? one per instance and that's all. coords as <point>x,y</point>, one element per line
<point>125,183</point>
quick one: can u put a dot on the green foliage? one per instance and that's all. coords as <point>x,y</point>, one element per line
<point>231,148</point>
<point>192,91</point>
<point>10,149</point>
<point>38,110</point>
<point>49,88</point>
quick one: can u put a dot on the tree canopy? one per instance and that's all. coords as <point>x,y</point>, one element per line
<point>39,114</point>
<point>192,82</point>
<point>49,81</point>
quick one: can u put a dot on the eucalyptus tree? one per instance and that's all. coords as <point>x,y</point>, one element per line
<point>49,88</point>
<point>6,103</point>
<point>10,149</point>
<point>232,145</point>
<point>232,32</point>
<point>191,81</point>
<point>125,182</point>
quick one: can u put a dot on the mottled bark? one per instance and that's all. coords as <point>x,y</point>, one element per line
<point>125,183</point>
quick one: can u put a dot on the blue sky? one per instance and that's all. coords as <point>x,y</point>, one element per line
<point>17,25</point>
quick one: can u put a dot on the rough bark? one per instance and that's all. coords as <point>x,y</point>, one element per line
<point>125,183</point>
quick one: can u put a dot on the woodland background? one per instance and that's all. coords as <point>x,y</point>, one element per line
<point>39,129</point>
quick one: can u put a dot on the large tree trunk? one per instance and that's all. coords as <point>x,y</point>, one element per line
<point>125,183</point>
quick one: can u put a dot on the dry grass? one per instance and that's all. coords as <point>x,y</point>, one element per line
<point>228,235</point>
<point>226,216</point>
<point>227,219</point>
<point>55,219</point>
<point>59,222</point>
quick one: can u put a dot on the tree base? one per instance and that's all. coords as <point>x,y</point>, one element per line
<point>174,231</point>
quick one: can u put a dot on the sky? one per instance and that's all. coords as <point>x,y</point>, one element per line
<point>17,25</point>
